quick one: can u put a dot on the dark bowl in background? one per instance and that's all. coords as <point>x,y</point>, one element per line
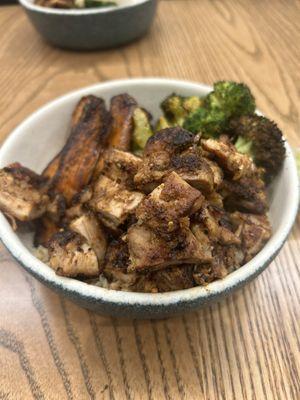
<point>93,28</point>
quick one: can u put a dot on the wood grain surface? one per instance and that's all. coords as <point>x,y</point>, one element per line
<point>245,347</point>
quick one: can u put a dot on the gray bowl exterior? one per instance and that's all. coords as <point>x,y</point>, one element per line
<point>94,31</point>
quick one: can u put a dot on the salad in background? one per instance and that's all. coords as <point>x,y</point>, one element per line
<point>70,4</point>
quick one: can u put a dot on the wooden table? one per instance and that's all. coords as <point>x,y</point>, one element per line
<point>246,347</point>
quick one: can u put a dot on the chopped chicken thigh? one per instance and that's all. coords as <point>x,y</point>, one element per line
<point>175,278</point>
<point>225,153</point>
<point>88,226</point>
<point>254,230</point>
<point>173,149</point>
<point>163,209</point>
<point>216,223</point>
<point>71,255</point>
<point>22,193</point>
<point>121,166</point>
<point>149,251</point>
<point>112,202</point>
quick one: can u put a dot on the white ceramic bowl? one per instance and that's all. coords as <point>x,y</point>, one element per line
<point>41,136</point>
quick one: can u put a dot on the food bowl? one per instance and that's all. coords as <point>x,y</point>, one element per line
<point>92,28</point>
<point>35,142</point>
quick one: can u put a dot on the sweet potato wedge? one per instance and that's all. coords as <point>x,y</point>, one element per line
<point>122,109</point>
<point>77,160</point>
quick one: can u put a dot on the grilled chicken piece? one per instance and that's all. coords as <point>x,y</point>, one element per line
<point>225,259</point>
<point>149,251</point>
<point>78,158</point>
<point>122,108</point>
<point>173,149</point>
<point>194,169</point>
<point>217,225</point>
<point>71,255</point>
<point>224,152</point>
<point>202,237</point>
<point>22,193</point>
<point>115,266</point>
<point>88,226</point>
<point>163,209</point>
<point>77,207</point>
<point>121,166</point>
<point>254,231</point>
<point>246,195</point>
<point>112,202</point>
<point>175,278</point>
<point>217,173</point>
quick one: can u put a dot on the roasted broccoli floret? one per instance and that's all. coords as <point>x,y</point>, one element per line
<point>142,130</point>
<point>209,122</point>
<point>234,99</point>
<point>176,108</point>
<point>162,123</point>
<point>262,140</point>
<point>227,100</point>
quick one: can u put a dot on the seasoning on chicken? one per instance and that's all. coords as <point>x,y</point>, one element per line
<point>71,255</point>
<point>217,225</point>
<point>163,209</point>
<point>113,202</point>
<point>88,226</point>
<point>121,166</point>
<point>254,231</point>
<point>22,193</point>
<point>236,164</point>
<point>175,278</point>
<point>116,264</point>
<point>173,149</point>
<point>246,195</point>
<point>150,251</point>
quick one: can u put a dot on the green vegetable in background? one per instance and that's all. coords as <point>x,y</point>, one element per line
<point>142,130</point>
<point>261,139</point>
<point>209,122</point>
<point>94,3</point>
<point>227,100</point>
<point>233,99</point>
<point>162,123</point>
<point>176,108</point>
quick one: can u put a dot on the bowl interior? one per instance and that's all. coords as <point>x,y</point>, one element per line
<point>39,138</point>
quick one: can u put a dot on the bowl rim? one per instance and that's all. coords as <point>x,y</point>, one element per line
<point>78,12</point>
<point>98,294</point>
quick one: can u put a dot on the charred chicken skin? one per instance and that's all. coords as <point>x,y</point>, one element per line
<point>184,211</point>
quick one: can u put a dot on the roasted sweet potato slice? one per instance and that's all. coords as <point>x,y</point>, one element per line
<point>122,109</point>
<point>78,158</point>
<point>51,169</point>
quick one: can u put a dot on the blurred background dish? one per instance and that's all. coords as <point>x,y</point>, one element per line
<point>92,28</point>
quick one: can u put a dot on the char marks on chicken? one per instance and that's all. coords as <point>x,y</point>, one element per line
<point>71,255</point>
<point>22,193</point>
